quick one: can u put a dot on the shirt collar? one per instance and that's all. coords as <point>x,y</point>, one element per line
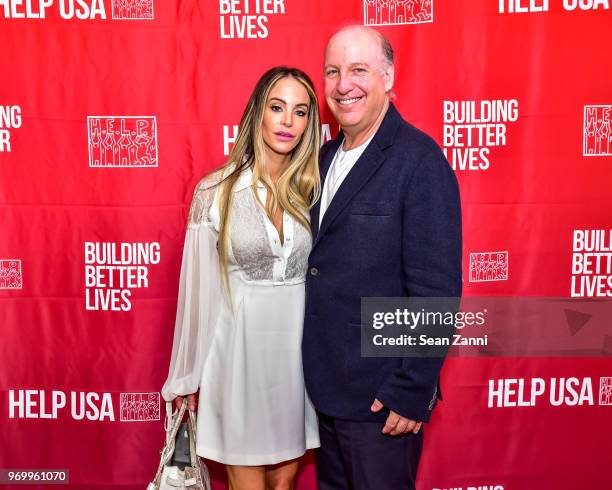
<point>357,149</point>
<point>246,179</point>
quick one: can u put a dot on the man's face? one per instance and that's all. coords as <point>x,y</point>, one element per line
<point>357,79</point>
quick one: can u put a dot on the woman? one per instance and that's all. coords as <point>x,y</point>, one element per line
<point>240,313</point>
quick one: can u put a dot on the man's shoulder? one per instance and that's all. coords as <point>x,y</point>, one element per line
<point>410,136</point>
<point>413,148</point>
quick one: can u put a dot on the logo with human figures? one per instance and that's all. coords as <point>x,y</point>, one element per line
<point>597,140</point>
<point>605,391</point>
<point>488,266</point>
<point>10,274</point>
<point>122,141</point>
<point>397,12</point>
<point>139,407</point>
<point>133,9</point>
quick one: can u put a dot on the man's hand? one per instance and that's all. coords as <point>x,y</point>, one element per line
<point>396,424</point>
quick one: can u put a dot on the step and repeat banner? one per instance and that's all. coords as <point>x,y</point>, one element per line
<point>112,110</point>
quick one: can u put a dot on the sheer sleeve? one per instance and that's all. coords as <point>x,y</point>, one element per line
<point>199,297</point>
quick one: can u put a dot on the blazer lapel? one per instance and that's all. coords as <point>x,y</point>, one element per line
<point>323,168</point>
<point>364,168</point>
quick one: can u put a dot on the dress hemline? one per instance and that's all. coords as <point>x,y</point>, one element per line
<point>254,460</point>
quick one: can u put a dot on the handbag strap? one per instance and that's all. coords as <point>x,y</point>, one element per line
<point>168,449</point>
<point>192,425</point>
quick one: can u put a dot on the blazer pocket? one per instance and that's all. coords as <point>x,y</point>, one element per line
<point>371,208</point>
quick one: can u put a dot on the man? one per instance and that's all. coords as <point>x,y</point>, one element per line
<point>388,224</point>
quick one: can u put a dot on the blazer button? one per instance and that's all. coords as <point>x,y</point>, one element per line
<point>314,271</point>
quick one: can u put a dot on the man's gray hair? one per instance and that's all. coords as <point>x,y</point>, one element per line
<point>387,49</point>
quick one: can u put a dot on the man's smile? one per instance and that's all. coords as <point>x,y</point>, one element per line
<point>349,101</point>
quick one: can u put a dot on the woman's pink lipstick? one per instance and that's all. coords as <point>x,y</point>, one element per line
<point>284,136</point>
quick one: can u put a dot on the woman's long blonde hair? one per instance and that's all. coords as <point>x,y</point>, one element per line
<point>299,186</point>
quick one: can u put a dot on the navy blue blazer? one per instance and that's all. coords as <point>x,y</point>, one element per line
<point>392,229</point>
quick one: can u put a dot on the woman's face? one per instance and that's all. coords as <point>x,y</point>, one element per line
<point>285,116</point>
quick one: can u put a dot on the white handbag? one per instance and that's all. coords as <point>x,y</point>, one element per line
<point>192,477</point>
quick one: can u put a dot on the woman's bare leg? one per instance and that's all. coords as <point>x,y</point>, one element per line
<point>246,477</point>
<point>282,476</point>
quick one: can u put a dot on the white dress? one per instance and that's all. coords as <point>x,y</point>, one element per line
<point>253,408</point>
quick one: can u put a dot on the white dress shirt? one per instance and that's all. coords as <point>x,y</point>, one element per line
<point>340,166</point>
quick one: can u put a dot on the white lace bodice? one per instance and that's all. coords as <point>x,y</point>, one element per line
<point>255,253</point>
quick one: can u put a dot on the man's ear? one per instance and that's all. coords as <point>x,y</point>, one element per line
<point>389,77</point>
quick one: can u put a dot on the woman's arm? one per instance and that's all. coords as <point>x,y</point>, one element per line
<point>199,299</point>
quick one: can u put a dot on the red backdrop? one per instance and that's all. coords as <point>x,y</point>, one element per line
<point>112,110</point>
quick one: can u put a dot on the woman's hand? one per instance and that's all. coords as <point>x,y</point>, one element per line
<point>191,402</point>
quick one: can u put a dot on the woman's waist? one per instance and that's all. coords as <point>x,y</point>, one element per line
<point>241,279</point>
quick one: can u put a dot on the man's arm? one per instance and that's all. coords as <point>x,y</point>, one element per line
<point>431,264</point>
